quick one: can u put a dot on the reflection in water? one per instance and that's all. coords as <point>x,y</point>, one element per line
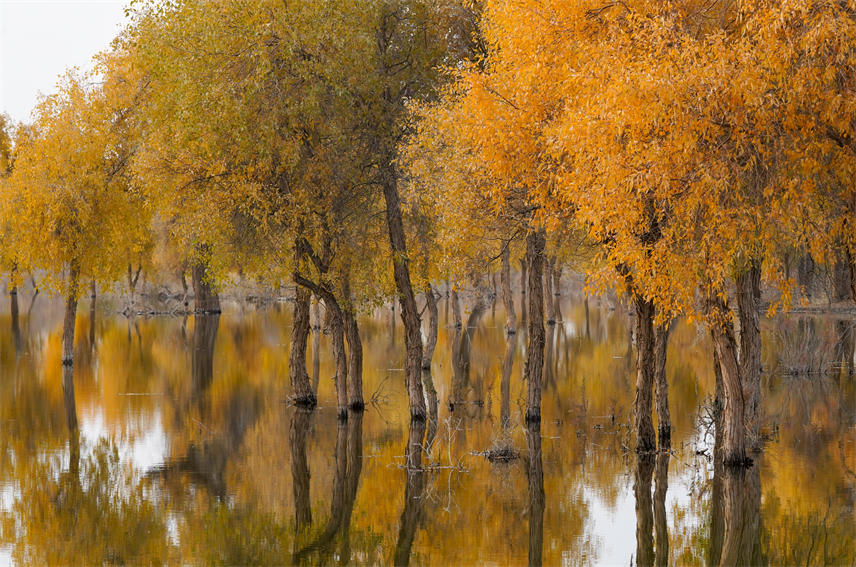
<point>301,421</point>
<point>535,472</point>
<point>464,390</point>
<point>180,453</point>
<point>505,384</point>
<point>348,457</point>
<point>414,488</point>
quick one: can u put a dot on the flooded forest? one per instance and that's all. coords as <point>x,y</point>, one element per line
<point>435,282</point>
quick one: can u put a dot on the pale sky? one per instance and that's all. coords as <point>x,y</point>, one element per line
<point>39,39</point>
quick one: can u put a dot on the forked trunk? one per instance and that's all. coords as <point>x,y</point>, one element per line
<point>535,242</point>
<point>304,396</point>
<point>433,323</point>
<point>733,428</point>
<point>507,299</point>
<point>642,406</point>
<point>661,386</point>
<point>409,311</point>
<point>749,310</point>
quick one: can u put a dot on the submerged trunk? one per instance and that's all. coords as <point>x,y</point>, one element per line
<point>548,292</point>
<point>355,362</point>
<point>733,428</point>
<point>304,396</point>
<point>337,340</point>
<point>661,386</point>
<point>433,323</point>
<point>535,242</point>
<point>748,309</point>
<point>644,425</point>
<point>205,299</point>
<point>409,311</point>
<point>507,299</point>
<point>741,495</point>
<point>536,494</point>
<point>70,317</point>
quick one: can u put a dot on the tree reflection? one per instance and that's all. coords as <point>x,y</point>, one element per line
<point>462,388</point>
<point>301,422</point>
<point>349,454</point>
<point>505,383</point>
<point>536,493</point>
<point>414,489</point>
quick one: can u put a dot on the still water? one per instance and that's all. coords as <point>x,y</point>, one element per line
<point>178,445</point>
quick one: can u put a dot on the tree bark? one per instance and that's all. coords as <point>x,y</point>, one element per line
<point>304,396</point>
<point>433,324</point>
<point>507,299</point>
<point>355,362</point>
<point>661,386</point>
<point>645,363</point>
<point>535,242</point>
<point>70,316</point>
<point>401,274</point>
<point>205,300</point>
<point>548,292</point>
<point>851,268</point>
<point>733,427</point>
<point>337,340</point>
<point>749,311</point>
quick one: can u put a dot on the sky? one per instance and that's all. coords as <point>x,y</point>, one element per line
<point>39,39</point>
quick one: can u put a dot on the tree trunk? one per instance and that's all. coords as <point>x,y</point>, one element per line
<point>70,317</point>
<point>733,427</point>
<point>433,323</point>
<point>205,300</point>
<point>851,268</point>
<point>304,396</point>
<point>749,310</point>
<point>456,308</point>
<point>557,290</point>
<point>548,293</point>
<point>16,324</point>
<point>337,339</point>
<point>409,311</point>
<point>536,493</point>
<point>92,300</point>
<point>645,364</point>
<point>535,242</point>
<point>355,362</point>
<point>661,386</point>
<point>507,299</point>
